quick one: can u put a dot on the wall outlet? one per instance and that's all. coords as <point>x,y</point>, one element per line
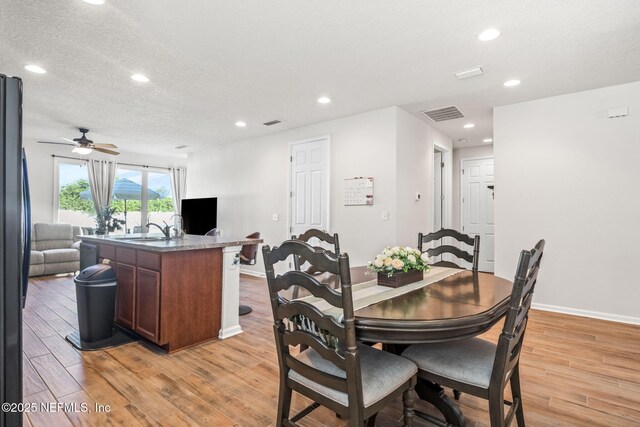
<point>385,215</point>
<point>417,197</point>
<point>275,217</point>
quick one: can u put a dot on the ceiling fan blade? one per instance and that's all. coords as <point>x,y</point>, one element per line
<point>105,145</point>
<point>104,150</point>
<point>70,140</point>
<point>58,143</point>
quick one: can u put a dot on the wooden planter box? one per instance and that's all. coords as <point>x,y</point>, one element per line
<point>400,279</point>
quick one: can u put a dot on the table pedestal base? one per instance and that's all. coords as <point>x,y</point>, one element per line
<point>434,394</point>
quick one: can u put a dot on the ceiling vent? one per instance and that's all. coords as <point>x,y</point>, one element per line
<point>465,74</point>
<point>272,122</point>
<point>445,113</point>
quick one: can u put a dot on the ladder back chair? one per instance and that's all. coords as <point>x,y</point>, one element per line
<point>352,380</point>
<point>480,367</point>
<point>322,237</point>
<point>474,242</point>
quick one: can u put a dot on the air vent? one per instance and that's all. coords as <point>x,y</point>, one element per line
<point>272,122</point>
<point>442,114</point>
<point>180,147</point>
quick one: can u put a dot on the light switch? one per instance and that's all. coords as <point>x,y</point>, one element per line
<point>276,217</point>
<point>385,215</point>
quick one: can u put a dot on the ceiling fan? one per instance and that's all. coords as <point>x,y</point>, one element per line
<point>83,145</point>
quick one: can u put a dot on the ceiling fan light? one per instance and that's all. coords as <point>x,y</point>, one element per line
<point>82,150</point>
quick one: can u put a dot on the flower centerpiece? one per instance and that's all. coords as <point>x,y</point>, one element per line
<point>399,266</point>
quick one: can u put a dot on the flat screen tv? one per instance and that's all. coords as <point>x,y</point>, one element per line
<point>199,215</point>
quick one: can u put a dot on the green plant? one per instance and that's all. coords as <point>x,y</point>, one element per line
<point>105,222</point>
<point>397,259</point>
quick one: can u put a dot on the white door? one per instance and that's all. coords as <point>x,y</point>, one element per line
<point>477,206</point>
<point>309,186</point>
<point>437,190</point>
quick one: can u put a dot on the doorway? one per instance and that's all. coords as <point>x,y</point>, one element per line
<point>477,206</point>
<point>309,185</point>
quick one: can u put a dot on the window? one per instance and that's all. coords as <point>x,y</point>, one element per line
<point>141,196</point>
<point>75,205</point>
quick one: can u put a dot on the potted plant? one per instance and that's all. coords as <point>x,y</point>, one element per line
<point>105,221</point>
<point>399,266</point>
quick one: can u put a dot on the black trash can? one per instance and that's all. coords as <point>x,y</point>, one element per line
<point>96,299</point>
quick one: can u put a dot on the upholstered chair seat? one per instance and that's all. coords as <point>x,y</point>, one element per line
<point>382,373</point>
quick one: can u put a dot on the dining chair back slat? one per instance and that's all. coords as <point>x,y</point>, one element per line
<point>308,236</point>
<point>310,283</point>
<point>443,248</point>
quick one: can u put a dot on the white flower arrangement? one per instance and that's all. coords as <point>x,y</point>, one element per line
<point>397,259</point>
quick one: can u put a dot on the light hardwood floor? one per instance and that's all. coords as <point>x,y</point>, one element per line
<point>575,372</point>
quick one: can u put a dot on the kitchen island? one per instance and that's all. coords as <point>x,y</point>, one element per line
<point>176,293</point>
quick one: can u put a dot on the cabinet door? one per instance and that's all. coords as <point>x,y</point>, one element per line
<point>148,304</point>
<point>125,295</point>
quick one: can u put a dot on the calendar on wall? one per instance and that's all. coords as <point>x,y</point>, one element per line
<point>358,191</point>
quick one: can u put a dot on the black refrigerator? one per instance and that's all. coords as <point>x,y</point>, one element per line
<point>15,239</point>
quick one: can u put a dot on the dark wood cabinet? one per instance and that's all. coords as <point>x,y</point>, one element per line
<point>171,298</point>
<point>147,321</point>
<point>126,295</point>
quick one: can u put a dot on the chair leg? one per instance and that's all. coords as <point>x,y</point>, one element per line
<point>496,408</point>
<point>408,402</point>
<point>456,394</point>
<point>517,394</point>
<point>371,422</point>
<point>284,403</point>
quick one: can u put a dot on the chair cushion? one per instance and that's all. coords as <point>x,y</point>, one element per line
<point>37,257</point>
<point>381,372</point>
<point>61,255</point>
<point>469,361</point>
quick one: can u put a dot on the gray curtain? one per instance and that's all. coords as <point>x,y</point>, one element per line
<point>102,175</point>
<point>179,187</point>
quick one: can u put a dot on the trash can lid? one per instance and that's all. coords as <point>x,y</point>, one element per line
<point>95,275</point>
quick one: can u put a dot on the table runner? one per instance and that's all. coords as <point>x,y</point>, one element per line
<point>369,293</point>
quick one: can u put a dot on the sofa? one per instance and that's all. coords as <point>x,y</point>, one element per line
<point>55,249</point>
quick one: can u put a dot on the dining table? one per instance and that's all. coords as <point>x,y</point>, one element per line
<point>448,304</point>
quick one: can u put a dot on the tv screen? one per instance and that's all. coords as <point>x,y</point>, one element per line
<point>199,215</point>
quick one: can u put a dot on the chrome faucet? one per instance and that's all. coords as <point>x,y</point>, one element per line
<point>166,230</point>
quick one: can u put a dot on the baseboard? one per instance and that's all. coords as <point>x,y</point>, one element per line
<point>587,313</point>
<point>252,273</point>
<point>229,332</point>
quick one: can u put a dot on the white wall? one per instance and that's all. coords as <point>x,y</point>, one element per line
<point>566,173</point>
<point>250,179</point>
<point>458,155</point>
<point>41,173</point>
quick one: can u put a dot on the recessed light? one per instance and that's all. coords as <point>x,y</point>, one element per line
<point>489,34</point>
<point>35,69</point>
<point>241,124</point>
<point>512,83</point>
<point>469,125</point>
<point>140,78</point>
<point>94,1</point>
<point>487,140</point>
<point>324,100</point>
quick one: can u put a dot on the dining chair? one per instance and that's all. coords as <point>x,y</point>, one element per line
<point>352,380</point>
<point>480,367</point>
<point>247,256</point>
<point>322,236</point>
<point>474,242</point>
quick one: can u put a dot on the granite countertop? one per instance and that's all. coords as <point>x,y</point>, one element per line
<point>157,243</point>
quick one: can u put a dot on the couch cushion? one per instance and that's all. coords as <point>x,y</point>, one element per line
<point>52,256</point>
<point>37,257</point>
<point>382,373</point>
<point>52,236</point>
<point>469,361</point>
<point>36,270</point>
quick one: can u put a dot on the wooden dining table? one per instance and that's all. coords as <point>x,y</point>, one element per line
<point>459,306</point>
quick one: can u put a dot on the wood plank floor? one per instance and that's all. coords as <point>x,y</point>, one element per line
<point>575,372</point>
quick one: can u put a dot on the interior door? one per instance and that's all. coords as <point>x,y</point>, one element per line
<point>309,185</point>
<point>477,207</point>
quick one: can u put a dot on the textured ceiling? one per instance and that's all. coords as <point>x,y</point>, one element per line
<point>212,63</point>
